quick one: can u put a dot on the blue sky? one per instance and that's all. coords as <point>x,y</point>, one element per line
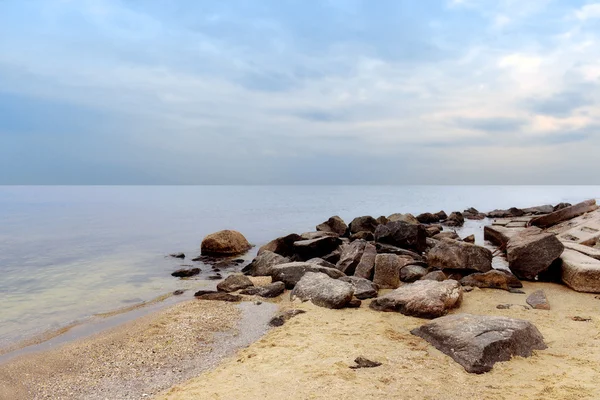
<point>299,91</point>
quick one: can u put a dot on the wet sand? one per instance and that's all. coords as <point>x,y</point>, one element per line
<point>309,357</point>
<point>140,357</point>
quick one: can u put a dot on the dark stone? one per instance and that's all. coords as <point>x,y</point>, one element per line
<point>447,235</point>
<point>307,249</point>
<point>291,273</point>
<point>178,292</point>
<point>433,230</point>
<point>217,296</point>
<point>285,316</point>
<point>360,224</point>
<point>455,219</point>
<point>283,246</point>
<point>215,277</point>
<point>366,266</point>
<point>435,276</point>
<point>354,303</point>
<point>510,213</point>
<point>323,291</point>
<point>234,283</point>
<point>362,362</point>
<point>177,255</point>
<point>531,251</point>
<point>423,299</point>
<point>273,290</point>
<point>363,288</point>
<point>382,220</point>
<point>263,263</point>
<point>560,206</point>
<point>334,224</point>
<point>539,210</point>
<point>538,300</point>
<point>351,256</point>
<point>333,257</point>
<point>478,342</point>
<point>428,218</point>
<point>494,279</point>
<point>412,273</point>
<point>564,214</point>
<point>368,236</point>
<point>383,248</point>
<point>469,239</point>
<point>442,216</point>
<point>403,235</point>
<point>185,273</point>
<point>455,255</point>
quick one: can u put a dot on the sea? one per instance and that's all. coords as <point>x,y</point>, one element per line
<point>69,253</point>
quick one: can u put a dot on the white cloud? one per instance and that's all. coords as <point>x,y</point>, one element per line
<point>589,11</point>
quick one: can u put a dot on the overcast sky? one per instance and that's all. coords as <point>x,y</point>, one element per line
<point>299,91</point>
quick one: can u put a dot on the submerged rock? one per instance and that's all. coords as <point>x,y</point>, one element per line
<point>531,251</point>
<point>177,255</point>
<point>323,291</point>
<point>478,342</point>
<point>186,273</point>
<point>224,243</point>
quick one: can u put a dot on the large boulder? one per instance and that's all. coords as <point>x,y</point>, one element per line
<point>477,342</point>
<point>564,214</point>
<point>408,218</point>
<point>262,264</point>
<point>428,218</point>
<point>499,235</point>
<point>447,235</point>
<point>234,283</point>
<point>510,213</point>
<point>323,291</point>
<point>423,299</point>
<point>455,219</point>
<point>283,246</point>
<point>351,256</point>
<point>272,290</point>
<point>580,272</point>
<point>452,254</point>
<point>363,288</point>
<point>587,250</point>
<point>366,266</point>
<point>387,270</point>
<point>494,279</point>
<point>366,224</point>
<point>539,210</point>
<point>411,273</point>
<point>403,235</point>
<point>335,225</point>
<point>531,251</point>
<point>224,243</point>
<point>307,249</point>
<point>291,273</point>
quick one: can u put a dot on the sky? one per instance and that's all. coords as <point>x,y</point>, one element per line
<point>299,92</point>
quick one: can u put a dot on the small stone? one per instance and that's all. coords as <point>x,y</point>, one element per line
<point>186,273</point>
<point>509,306</point>
<point>538,300</point>
<point>285,316</point>
<point>177,255</point>
<point>362,362</point>
<point>581,319</point>
<point>234,283</point>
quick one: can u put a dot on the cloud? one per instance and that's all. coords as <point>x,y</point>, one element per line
<point>589,11</point>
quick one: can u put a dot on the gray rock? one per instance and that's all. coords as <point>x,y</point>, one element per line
<point>580,272</point>
<point>435,276</point>
<point>363,288</point>
<point>291,273</point>
<point>307,249</point>
<point>423,299</point>
<point>387,270</point>
<point>217,296</point>
<point>363,224</point>
<point>403,235</point>
<point>323,291</point>
<point>412,273</point>
<point>452,254</point>
<point>493,279</point>
<point>538,300</point>
<point>478,342</point>
<point>272,290</point>
<point>408,218</point>
<point>317,235</point>
<point>368,236</point>
<point>351,256</point>
<point>285,316</point>
<point>564,214</point>
<point>546,209</point>
<point>362,362</point>
<point>499,235</point>
<point>511,212</point>
<point>186,272</point>
<point>334,224</point>
<point>263,263</point>
<point>383,248</point>
<point>366,266</point>
<point>234,283</point>
<point>321,262</point>
<point>283,246</point>
<point>531,251</point>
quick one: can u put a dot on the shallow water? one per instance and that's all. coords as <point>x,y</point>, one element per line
<point>70,252</point>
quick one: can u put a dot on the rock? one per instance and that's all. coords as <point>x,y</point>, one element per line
<point>215,277</point>
<point>428,218</point>
<point>273,290</point>
<point>499,235</point>
<point>468,289</point>
<point>455,219</point>
<point>229,263</point>
<point>382,220</point>
<point>307,249</point>
<point>316,235</point>
<point>473,214</point>
<point>263,263</point>
<point>469,239</point>
<point>351,256</point>
<point>334,224</point>
<point>321,262</point>
<point>580,272</point>
<point>412,273</point>
<point>366,266</point>
<point>185,273</point>
<point>363,235</point>
<point>178,292</point>
<point>333,257</point>
<point>538,300</point>
<point>560,206</point>
<point>217,296</point>
<point>478,342</point>
<point>285,316</point>
<point>283,246</point>
<point>323,291</point>
<point>408,218</point>
<point>366,224</point>
<point>423,299</point>
<point>234,283</point>
<point>587,250</point>
<point>531,251</point>
<point>546,209</point>
<point>447,235</point>
<point>387,270</point>
<point>511,212</point>
<point>224,243</point>
<point>362,362</point>
<point>354,303</point>
<point>403,235</point>
<point>435,276</point>
<point>454,255</point>
<point>493,279</point>
<point>433,230</point>
<point>291,273</point>
<point>511,306</point>
<point>177,255</point>
<point>363,288</point>
<point>564,214</point>
<point>383,248</point>
<point>580,319</point>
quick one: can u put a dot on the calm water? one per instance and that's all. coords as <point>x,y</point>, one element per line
<point>70,252</point>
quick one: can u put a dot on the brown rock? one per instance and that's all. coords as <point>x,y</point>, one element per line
<point>368,236</point>
<point>455,219</point>
<point>469,239</point>
<point>217,296</point>
<point>538,300</point>
<point>564,214</point>
<point>493,279</point>
<point>262,264</point>
<point>531,251</point>
<point>360,224</point>
<point>580,272</point>
<point>403,235</point>
<point>334,224</point>
<point>455,255</point>
<point>185,272</point>
<point>428,218</point>
<point>412,273</point>
<point>435,276</point>
<point>224,243</point>
<point>366,266</point>
<point>283,246</point>
<point>351,256</point>
<point>447,235</point>
<point>387,270</point>
<point>408,218</point>
<point>234,283</point>
<point>285,316</point>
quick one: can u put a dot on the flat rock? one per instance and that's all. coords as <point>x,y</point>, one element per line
<point>363,224</point>
<point>362,362</point>
<point>186,272</point>
<point>499,235</point>
<point>587,250</point>
<point>283,246</point>
<point>272,290</point>
<point>447,235</point>
<point>423,299</point>
<point>408,218</point>
<point>538,300</point>
<point>580,272</point>
<point>307,249</point>
<point>585,233</point>
<point>511,212</point>
<point>412,273</point>
<point>334,224</point>
<point>263,263</point>
<point>291,273</point>
<point>217,296</point>
<point>323,291</point>
<point>383,248</point>
<point>350,256</point>
<point>224,243</point>
<point>234,283</point>
<point>564,214</point>
<point>363,288</point>
<point>478,342</point>
<point>435,276</point>
<point>387,270</point>
<point>455,255</point>
<point>403,235</point>
<point>539,210</point>
<point>316,235</point>
<point>493,279</point>
<point>531,252</point>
